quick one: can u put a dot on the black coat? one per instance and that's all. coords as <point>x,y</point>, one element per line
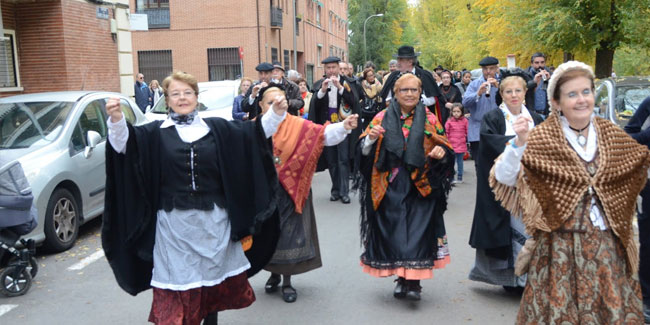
<point>293,96</point>
<point>318,108</point>
<point>530,92</point>
<point>491,225</point>
<point>133,192</point>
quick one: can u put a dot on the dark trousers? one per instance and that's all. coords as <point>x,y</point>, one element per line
<point>473,150</point>
<point>643,219</point>
<point>338,164</point>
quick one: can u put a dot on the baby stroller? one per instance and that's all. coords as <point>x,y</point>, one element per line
<point>17,218</point>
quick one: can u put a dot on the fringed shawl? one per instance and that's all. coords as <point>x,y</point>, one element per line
<point>297,145</point>
<point>553,179</point>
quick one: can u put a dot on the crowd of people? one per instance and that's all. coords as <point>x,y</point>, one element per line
<point>195,206</point>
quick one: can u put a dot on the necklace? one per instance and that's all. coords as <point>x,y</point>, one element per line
<point>582,140</point>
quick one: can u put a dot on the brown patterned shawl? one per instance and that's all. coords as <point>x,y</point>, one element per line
<point>297,145</point>
<point>553,180</point>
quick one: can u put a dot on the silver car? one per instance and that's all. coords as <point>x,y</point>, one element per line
<point>618,98</point>
<point>59,139</point>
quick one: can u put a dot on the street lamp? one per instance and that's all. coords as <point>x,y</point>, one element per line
<point>365,51</point>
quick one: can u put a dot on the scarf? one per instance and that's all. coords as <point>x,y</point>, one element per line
<point>392,152</point>
<point>553,180</point>
<point>181,119</point>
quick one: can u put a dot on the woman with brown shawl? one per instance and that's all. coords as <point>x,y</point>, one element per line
<point>574,180</point>
<point>405,176</point>
<point>296,147</point>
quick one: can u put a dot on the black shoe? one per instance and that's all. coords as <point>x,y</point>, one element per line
<point>289,294</point>
<point>413,290</point>
<point>345,199</point>
<point>400,288</point>
<point>334,197</point>
<point>272,284</point>
<point>514,290</point>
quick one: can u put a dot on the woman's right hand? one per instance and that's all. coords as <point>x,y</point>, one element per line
<point>113,109</point>
<point>521,129</point>
<point>375,132</point>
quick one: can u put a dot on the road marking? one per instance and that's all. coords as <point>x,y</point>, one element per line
<point>86,261</point>
<point>6,308</point>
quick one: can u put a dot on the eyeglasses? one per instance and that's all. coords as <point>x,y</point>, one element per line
<point>186,94</point>
<point>517,91</point>
<point>407,90</point>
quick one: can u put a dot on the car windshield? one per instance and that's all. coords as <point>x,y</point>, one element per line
<point>628,99</point>
<point>209,99</point>
<point>24,125</point>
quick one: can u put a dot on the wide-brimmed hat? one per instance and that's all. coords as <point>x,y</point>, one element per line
<point>406,52</point>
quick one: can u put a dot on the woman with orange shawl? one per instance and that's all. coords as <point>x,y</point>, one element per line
<point>405,177</point>
<point>297,145</point>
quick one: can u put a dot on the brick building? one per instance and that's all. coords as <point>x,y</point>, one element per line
<point>204,37</point>
<point>54,45</point>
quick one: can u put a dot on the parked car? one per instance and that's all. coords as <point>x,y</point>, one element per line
<point>618,98</point>
<point>215,100</point>
<point>59,139</point>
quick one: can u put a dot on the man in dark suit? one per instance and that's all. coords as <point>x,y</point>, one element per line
<point>249,103</point>
<point>407,62</point>
<point>333,101</point>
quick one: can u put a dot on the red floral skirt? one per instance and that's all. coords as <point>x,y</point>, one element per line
<point>191,306</point>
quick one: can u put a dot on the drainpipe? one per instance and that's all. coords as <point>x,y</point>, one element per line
<point>295,38</point>
<point>259,45</point>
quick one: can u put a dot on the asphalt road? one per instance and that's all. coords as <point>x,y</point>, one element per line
<point>337,293</point>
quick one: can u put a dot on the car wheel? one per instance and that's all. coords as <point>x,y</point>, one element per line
<point>61,221</point>
<point>12,284</point>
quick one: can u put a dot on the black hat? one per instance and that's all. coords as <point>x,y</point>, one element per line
<point>512,72</point>
<point>331,59</point>
<point>406,51</point>
<point>264,66</point>
<point>439,67</point>
<point>277,65</point>
<point>488,60</point>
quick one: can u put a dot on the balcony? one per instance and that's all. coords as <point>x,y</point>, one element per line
<point>276,17</point>
<point>157,17</point>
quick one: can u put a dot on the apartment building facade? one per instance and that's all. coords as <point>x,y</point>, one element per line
<point>56,45</point>
<point>226,39</point>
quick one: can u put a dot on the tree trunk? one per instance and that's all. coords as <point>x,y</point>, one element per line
<point>604,61</point>
<point>568,56</point>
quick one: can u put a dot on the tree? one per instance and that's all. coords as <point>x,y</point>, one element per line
<point>383,34</point>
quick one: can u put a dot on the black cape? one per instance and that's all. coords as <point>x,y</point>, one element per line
<point>491,225</point>
<point>429,87</point>
<point>133,191</point>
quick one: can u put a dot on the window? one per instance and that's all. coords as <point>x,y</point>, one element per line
<point>93,118</point>
<point>155,64</point>
<point>318,15</point>
<point>274,55</point>
<point>287,60</point>
<point>602,101</point>
<point>157,12</point>
<point>309,75</point>
<point>9,77</point>
<point>127,111</point>
<point>224,63</point>
<point>319,54</point>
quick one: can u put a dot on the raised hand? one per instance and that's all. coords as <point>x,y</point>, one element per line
<point>375,132</point>
<point>437,152</point>
<point>324,85</point>
<point>113,109</point>
<point>351,121</point>
<point>280,105</point>
<point>521,129</point>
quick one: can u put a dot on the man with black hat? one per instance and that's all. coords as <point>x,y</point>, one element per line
<point>249,104</point>
<point>438,69</point>
<point>479,99</point>
<point>291,90</point>
<point>333,101</point>
<point>407,61</point>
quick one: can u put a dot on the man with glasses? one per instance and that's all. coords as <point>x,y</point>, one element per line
<point>536,93</point>
<point>141,92</point>
<point>479,99</point>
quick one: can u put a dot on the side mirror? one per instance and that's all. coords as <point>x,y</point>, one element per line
<point>93,139</point>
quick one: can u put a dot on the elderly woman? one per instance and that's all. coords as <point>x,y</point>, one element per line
<point>575,179</point>
<point>405,177</point>
<point>496,235</point>
<point>297,145</point>
<point>155,93</point>
<point>371,93</point>
<point>237,113</point>
<point>180,195</point>
<point>306,97</point>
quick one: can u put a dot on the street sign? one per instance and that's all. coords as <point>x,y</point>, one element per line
<point>101,13</point>
<point>241,53</point>
<point>139,21</point>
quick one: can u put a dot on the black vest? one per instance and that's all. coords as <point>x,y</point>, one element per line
<point>190,173</point>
